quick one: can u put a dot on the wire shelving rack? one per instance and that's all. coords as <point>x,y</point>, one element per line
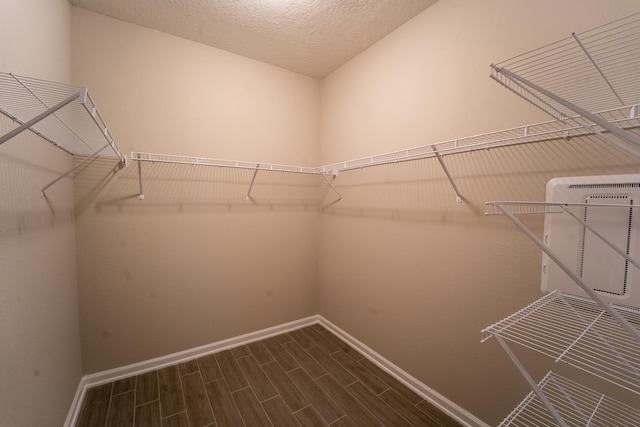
<point>588,333</point>
<point>570,80</point>
<point>577,405</point>
<point>591,71</point>
<point>577,331</point>
<point>64,115</point>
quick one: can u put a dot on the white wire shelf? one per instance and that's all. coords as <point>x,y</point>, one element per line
<point>579,332</point>
<point>524,207</point>
<point>64,115</point>
<point>537,132</point>
<point>203,161</point>
<point>234,164</point>
<point>587,72</point>
<point>596,69</point>
<point>577,405</point>
<point>626,117</point>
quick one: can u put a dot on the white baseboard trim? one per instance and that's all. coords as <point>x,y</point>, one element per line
<point>103,377</point>
<point>115,374</point>
<point>455,411</point>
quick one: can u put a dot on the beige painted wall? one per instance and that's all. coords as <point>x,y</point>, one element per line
<point>405,268</point>
<point>194,262</point>
<point>40,359</point>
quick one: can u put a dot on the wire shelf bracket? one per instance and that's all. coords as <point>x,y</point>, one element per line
<point>446,171</point>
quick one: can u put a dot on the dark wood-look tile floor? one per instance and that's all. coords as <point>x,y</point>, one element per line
<point>307,377</point>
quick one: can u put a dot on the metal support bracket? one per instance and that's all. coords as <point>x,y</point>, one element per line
<point>595,65</point>
<point>26,125</point>
<point>94,155</point>
<point>446,171</point>
<point>532,383</point>
<point>253,179</point>
<point>331,185</point>
<point>141,193</point>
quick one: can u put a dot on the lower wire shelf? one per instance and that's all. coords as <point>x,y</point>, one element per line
<point>577,331</point>
<point>577,405</point>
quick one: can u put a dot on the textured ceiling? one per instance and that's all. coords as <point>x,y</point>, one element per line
<point>310,37</point>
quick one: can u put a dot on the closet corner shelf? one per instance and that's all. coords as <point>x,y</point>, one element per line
<point>577,405</point>
<point>64,115</point>
<point>591,71</point>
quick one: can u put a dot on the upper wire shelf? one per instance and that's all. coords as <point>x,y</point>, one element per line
<point>64,115</point>
<point>587,72</point>
<point>577,405</point>
<point>596,69</point>
<point>578,331</point>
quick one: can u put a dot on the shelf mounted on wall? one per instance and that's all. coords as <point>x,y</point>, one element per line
<point>63,115</point>
<point>591,334</point>
<point>587,72</point>
<point>140,157</point>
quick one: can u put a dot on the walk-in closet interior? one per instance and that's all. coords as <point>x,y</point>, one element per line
<point>443,198</point>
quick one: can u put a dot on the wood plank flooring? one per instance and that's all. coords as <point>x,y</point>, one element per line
<point>308,377</point>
